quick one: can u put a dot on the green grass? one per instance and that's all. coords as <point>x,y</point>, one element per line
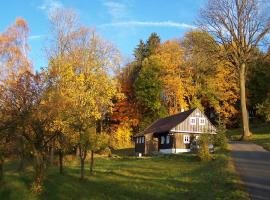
<point>162,177</point>
<point>261,135</point>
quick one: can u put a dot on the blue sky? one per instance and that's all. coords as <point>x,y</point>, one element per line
<point>124,22</point>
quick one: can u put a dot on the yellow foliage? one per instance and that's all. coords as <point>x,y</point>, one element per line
<point>121,138</point>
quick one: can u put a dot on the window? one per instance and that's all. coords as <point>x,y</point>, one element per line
<point>201,121</point>
<point>137,140</point>
<point>192,121</point>
<point>162,140</point>
<point>167,139</point>
<point>142,139</point>
<point>186,139</point>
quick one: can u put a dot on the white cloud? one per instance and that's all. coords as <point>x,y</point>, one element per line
<point>49,6</point>
<point>36,37</point>
<point>116,10</point>
<point>150,24</point>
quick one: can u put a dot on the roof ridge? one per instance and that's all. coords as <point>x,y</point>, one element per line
<point>176,118</point>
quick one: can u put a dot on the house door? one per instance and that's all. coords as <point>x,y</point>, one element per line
<point>151,146</point>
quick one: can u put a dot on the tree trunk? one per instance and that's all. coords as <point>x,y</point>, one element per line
<point>82,157</point>
<point>39,171</point>
<point>61,156</point>
<point>245,119</point>
<point>52,154</point>
<point>82,168</point>
<point>21,154</point>
<point>92,163</point>
<point>78,151</point>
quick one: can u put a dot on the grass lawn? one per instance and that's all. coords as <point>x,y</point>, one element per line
<point>261,135</point>
<point>163,177</point>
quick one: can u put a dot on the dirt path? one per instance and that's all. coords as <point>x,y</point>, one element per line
<point>253,164</point>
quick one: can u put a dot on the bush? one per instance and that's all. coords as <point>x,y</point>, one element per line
<point>203,152</point>
<point>220,138</point>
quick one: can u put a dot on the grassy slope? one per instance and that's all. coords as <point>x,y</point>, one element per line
<point>261,135</point>
<point>164,177</point>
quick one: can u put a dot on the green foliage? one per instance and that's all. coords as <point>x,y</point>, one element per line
<point>152,44</point>
<point>203,153</point>
<point>139,52</point>
<point>220,138</point>
<point>264,109</point>
<point>148,90</point>
<point>148,86</point>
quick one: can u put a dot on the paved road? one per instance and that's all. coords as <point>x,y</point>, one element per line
<point>253,164</point>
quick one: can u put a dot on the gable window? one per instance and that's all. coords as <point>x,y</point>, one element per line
<point>201,121</point>
<point>192,121</point>
<point>162,140</point>
<point>186,139</point>
<point>167,139</point>
<point>142,140</point>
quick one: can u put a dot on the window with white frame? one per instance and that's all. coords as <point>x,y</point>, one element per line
<point>167,139</point>
<point>186,139</point>
<point>192,121</point>
<point>162,140</point>
<point>142,140</point>
<point>201,121</point>
<point>137,140</point>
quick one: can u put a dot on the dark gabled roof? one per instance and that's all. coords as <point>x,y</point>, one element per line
<point>166,124</point>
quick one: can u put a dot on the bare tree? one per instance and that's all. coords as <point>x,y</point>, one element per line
<point>239,26</point>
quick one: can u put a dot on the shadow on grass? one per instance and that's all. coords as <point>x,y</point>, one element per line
<point>161,177</point>
<point>124,152</point>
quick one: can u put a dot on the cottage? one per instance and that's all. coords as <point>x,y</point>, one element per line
<point>173,134</point>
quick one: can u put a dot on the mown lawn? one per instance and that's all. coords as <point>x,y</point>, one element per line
<point>163,177</point>
<point>261,135</point>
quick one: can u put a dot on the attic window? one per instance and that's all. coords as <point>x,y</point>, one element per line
<point>201,121</point>
<point>192,121</point>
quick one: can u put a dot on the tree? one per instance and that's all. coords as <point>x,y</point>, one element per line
<point>82,63</point>
<point>14,51</point>
<point>121,137</point>
<point>170,57</point>
<point>148,90</point>
<point>97,142</point>
<point>239,26</point>
<point>258,84</point>
<point>211,83</point>
<point>152,44</point>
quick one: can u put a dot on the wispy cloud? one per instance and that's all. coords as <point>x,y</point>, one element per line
<point>149,24</point>
<point>49,6</point>
<point>117,10</point>
<point>36,37</point>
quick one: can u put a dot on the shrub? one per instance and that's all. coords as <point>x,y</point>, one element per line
<point>203,152</point>
<point>220,138</point>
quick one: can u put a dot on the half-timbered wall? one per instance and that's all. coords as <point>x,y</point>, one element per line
<point>191,126</point>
